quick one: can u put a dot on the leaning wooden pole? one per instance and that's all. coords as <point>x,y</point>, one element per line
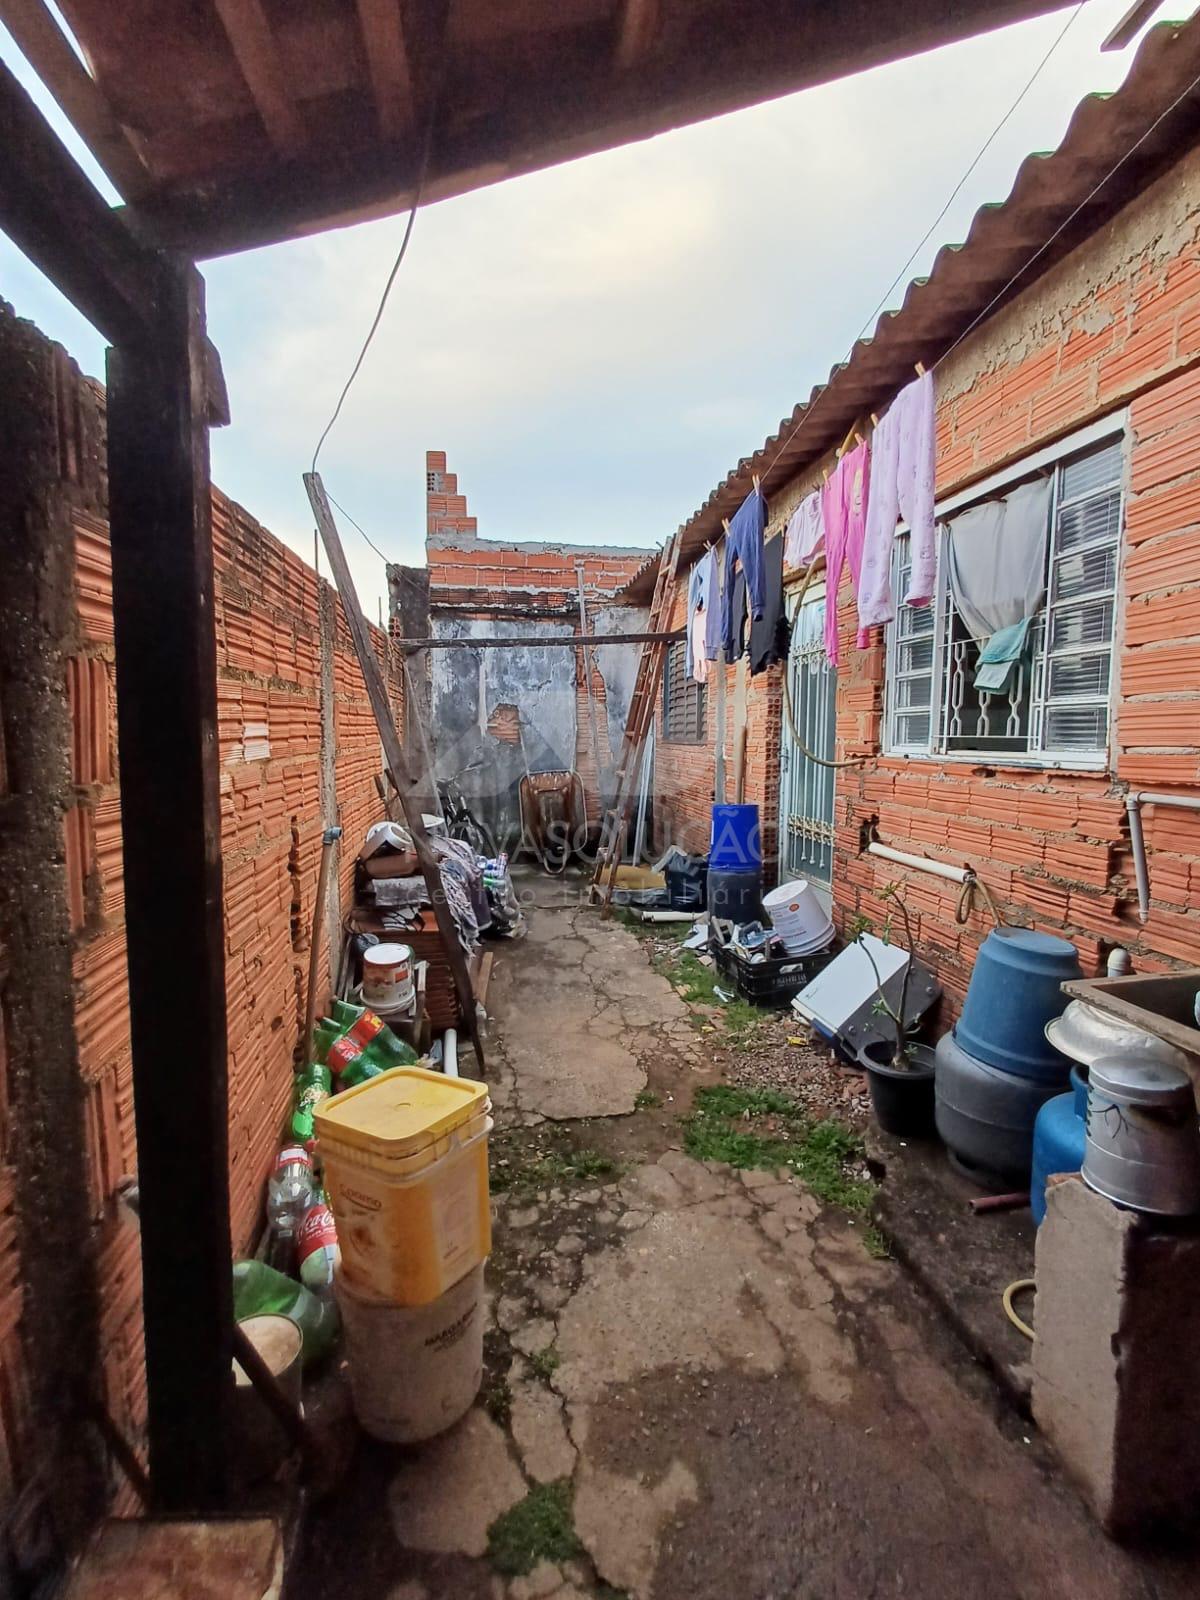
<point>409,784</point>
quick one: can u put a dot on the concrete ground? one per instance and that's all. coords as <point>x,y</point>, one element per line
<point>699,1383</point>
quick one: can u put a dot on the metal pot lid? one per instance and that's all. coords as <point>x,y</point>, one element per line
<point>1142,1082</point>
<point>1085,1033</point>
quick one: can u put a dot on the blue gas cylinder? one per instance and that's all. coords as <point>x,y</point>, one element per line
<point>1059,1139</point>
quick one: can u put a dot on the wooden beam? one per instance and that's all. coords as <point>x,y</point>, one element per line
<point>568,641</point>
<point>55,216</point>
<point>160,510</point>
<point>412,786</point>
<point>249,33</point>
<point>44,45</point>
<point>501,124</point>
<point>387,62</point>
<point>638,26</point>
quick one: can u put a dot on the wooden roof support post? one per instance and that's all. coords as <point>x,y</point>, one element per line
<point>411,784</point>
<point>161,522</point>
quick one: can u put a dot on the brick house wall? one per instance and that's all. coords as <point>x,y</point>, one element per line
<point>294,726</point>
<point>1114,325</point>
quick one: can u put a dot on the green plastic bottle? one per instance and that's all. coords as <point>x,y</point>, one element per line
<point>258,1289</point>
<point>312,1086</point>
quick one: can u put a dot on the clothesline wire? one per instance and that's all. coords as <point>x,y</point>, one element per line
<point>1020,272</point>
<point>360,528</point>
<point>958,187</point>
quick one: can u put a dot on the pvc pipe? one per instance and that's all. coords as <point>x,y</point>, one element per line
<point>450,1053</point>
<point>1134,801</point>
<point>939,869</point>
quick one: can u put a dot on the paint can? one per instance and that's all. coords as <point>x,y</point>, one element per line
<point>388,976</point>
<point>260,1444</point>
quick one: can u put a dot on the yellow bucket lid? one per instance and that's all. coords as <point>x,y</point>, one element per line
<point>399,1112</point>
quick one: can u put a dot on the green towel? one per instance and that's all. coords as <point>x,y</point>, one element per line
<point>1000,655</point>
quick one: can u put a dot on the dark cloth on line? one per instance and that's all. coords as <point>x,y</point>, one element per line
<point>770,633</point>
<point>744,552</point>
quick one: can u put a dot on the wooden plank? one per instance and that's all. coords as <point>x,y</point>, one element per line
<point>55,216</point>
<point>569,641</point>
<point>411,784</point>
<point>161,522</point>
<point>249,32</point>
<point>387,62</point>
<point>44,45</point>
<point>638,26</point>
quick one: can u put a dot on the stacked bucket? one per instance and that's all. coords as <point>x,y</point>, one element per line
<point>406,1165</point>
<point>996,1068</point>
<point>735,864</point>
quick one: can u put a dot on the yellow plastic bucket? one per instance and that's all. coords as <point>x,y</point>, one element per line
<point>406,1165</point>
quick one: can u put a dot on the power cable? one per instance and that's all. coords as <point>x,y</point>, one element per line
<point>357,525</point>
<point>387,288</point>
<point>809,412</point>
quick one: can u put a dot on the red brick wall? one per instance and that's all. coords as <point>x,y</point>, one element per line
<point>269,609</point>
<point>1117,323</point>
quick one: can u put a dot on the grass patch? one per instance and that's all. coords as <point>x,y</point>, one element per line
<point>763,1128</point>
<point>497,1402</point>
<point>646,1100</point>
<point>545,1363</point>
<point>539,1528</point>
<point>875,1243</point>
<point>698,984</point>
<point>553,1169</point>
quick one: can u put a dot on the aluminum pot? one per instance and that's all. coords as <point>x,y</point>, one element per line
<point>1085,1033</point>
<point>1143,1139</point>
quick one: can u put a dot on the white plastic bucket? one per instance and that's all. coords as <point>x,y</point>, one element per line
<point>798,917</point>
<point>414,1370</point>
<point>388,975</point>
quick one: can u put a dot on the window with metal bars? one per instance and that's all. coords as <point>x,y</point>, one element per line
<point>1055,707</point>
<point>684,700</point>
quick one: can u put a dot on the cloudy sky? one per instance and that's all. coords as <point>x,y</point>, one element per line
<point>596,345</point>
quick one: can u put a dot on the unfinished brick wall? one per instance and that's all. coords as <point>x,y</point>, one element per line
<point>298,745</point>
<point>482,579</point>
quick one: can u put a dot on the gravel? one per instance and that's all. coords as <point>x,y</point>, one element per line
<point>808,1072</point>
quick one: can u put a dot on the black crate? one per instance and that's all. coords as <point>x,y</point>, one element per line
<point>774,982</point>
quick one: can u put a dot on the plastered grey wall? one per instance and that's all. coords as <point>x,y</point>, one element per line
<point>468,685</point>
<point>618,663</point>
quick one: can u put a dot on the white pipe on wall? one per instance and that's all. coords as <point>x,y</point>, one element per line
<point>939,869</point>
<point>1134,801</point>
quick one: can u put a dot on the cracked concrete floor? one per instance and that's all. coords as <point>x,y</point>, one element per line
<point>743,1401</point>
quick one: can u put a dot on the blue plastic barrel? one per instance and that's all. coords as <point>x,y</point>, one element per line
<point>1059,1140</point>
<point>736,839</point>
<point>1015,990</point>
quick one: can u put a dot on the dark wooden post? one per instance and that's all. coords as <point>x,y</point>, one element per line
<point>161,520</point>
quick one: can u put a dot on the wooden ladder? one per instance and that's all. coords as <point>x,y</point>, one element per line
<point>637,727</point>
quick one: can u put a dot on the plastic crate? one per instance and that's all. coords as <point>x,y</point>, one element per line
<point>774,982</point>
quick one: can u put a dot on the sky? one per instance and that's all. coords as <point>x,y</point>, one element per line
<point>595,346</point>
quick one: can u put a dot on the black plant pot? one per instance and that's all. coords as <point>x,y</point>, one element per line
<point>901,1096</point>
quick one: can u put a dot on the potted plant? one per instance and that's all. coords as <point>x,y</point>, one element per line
<point>899,1070</point>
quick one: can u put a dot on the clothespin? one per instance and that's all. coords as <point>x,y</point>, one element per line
<point>874,420</point>
<point>920,368</point>
<point>725,523</point>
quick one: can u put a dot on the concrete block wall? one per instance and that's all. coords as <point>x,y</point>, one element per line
<point>298,745</point>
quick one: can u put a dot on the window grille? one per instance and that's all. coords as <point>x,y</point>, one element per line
<point>1056,706</point>
<point>684,700</point>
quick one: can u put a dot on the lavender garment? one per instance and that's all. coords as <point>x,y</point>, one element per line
<point>744,545</point>
<point>844,511</point>
<point>712,611</point>
<point>805,536</point>
<point>902,474</point>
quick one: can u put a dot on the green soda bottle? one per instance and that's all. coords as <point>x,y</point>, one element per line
<point>312,1086</point>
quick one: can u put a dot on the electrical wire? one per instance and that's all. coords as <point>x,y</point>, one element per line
<point>808,414</point>
<point>958,187</point>
<point>357,525</point>
<point>422,174</point>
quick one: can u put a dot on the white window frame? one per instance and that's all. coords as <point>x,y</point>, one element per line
<point>1114,426</point>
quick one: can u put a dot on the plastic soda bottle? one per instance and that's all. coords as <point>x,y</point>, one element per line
<point>312,1086</point>
<point>258,1288</point>
<point>317,1250</point>
<point>289,1195</point>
